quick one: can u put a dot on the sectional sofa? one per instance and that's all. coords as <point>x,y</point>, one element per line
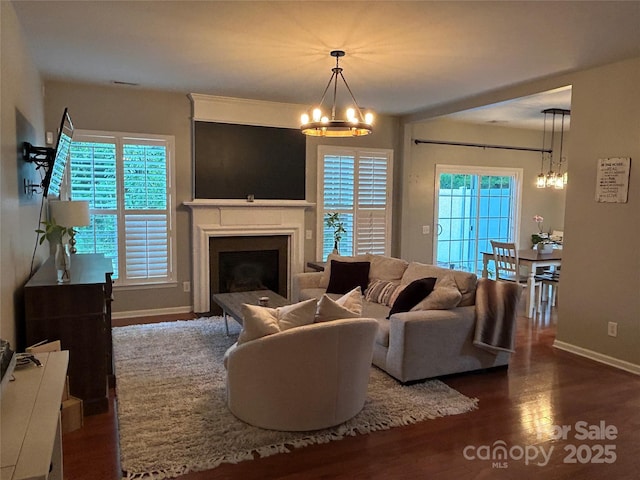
<point>437,337</point>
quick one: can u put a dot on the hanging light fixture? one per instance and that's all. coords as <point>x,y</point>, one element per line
<point>553,179</point>
<point>319,123</point>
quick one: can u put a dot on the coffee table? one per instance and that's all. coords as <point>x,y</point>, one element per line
<point>231,303</point>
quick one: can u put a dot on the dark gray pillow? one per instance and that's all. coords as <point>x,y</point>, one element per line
<point>345,276</point>
<point>412,294</point>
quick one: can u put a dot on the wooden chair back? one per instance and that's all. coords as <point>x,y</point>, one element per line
<point>505,256</point>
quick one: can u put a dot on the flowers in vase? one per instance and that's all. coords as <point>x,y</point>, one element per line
<point>540,237</point>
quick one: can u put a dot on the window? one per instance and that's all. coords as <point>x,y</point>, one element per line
<point>127,179</point>
<point>356,184</point>
<point>474,205</point>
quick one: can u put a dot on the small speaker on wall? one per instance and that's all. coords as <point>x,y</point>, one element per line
<point>235,161</point>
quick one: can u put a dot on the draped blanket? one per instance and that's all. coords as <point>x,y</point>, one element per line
<point>496,313</point>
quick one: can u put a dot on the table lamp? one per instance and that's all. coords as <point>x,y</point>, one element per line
<point>70,213</point>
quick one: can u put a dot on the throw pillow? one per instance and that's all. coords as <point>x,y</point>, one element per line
<point>394,295</point>
<point>445,295</point>
<point>347,306</point>
<point>412,294</point>
<point>259,321</point>
<point>345,276</point>
<point>324,280</point>
<point>380,291</point>
<point>386,268</point>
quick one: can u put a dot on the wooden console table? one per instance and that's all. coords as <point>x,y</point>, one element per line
<point>77,313</point>
<point>31,447</point>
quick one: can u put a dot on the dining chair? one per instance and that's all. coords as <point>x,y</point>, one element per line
<point>507,262</point>
<point>550,282</point>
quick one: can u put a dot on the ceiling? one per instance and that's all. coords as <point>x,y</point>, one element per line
<point>402,57</point>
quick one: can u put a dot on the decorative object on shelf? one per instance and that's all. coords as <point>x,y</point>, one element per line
<point>553,179</point>
<point>72,213</point>
<point>318,123</point>
<point>332,220</point>
<point>55,234</point>
<point>63,262</point>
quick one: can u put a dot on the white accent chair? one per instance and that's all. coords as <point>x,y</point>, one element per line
<point>305,378</point>
<point>507,262</point>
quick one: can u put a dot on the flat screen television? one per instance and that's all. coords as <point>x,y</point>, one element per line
<point>234,161</point>
<point>55,173</point>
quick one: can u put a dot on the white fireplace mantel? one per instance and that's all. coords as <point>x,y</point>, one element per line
<point>220,218</point>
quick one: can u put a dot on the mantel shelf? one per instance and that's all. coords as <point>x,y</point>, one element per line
<point>213,203</point>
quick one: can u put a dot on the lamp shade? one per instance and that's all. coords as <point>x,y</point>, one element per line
<point>70,213</point>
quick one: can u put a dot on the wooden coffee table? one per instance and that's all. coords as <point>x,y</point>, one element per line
<point>231,303</point>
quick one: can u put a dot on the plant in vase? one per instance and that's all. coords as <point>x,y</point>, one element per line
<point>56,234</point>
<point>541,240</point>
<point>333,221</point>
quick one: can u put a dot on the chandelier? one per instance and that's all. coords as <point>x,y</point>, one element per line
<point>318,123</point>
<point>553,178</point>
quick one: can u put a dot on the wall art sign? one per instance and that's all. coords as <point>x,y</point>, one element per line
<point>612,181</point>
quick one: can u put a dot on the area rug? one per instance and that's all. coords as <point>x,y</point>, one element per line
<point>173,418</point>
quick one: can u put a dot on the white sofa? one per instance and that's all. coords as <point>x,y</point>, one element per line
<point>305,378</point>
<point>421,344</point>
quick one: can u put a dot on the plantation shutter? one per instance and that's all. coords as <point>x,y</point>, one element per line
<point>145,204</point>
<point>356,184</point>
<point>127,183</point>
<point>371,212</point>
<point>93,162</point>
<point>339,176</point>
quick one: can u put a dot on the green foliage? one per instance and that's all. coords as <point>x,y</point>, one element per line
<point>53,232</point>
<point>333,221</point>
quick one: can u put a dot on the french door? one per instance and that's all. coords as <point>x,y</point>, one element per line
<point>474,205</point>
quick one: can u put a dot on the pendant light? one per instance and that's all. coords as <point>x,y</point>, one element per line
<point>553,179</point>
<point>318,123</point>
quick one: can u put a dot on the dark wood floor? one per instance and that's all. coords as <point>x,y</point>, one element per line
<point>542,387</point>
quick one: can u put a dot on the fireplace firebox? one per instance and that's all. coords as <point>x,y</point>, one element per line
<point>241,263</point>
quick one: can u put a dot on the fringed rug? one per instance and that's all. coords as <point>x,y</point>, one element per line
<point>173,418</point>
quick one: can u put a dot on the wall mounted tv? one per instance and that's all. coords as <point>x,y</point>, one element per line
<point>234,161</point>
<point>51,185</point>
<point>53,160</point>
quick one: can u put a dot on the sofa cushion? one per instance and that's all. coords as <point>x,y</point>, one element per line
<point>324,281</point>
<point>380,291</point>
<point>386,268</point>
<point>445,295</point>
<point>308,293</point>
<point>345,276</point>
<point>347,306</point>
<point>258,322</point>
<point>465,281</point>
<point>412,294</point>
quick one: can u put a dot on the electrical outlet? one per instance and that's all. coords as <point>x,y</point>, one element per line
<point>612,329</point>
<point>186,286</point>
<point>426,229</point>
<point>308,234</point>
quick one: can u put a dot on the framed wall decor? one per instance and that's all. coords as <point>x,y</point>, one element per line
<point>612,181</point>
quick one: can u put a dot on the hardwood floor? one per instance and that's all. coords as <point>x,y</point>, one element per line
<point>543,387</point>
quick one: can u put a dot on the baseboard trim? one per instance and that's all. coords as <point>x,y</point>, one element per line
<point>598,357</point>
<point>152,312</point>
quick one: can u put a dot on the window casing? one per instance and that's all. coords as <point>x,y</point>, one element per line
<point>356,183</point>
<point>128,181</point>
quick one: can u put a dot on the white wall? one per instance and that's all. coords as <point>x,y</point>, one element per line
<point>22,120</point>
<point>601,264</point>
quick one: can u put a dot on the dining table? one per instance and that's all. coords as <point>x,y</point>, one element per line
<point>532,259</point>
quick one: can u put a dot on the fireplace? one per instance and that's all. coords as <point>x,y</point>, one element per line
<point>233,219</point>
<point>249,263</point>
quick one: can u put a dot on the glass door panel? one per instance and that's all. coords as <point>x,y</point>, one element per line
<point>473,206</point>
